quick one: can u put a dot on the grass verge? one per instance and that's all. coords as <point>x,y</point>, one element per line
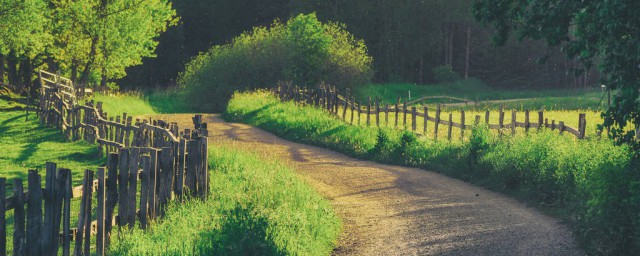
<point>590,183</point>
<point>256,208</point>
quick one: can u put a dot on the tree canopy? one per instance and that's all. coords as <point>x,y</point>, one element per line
<point>602,32</point>
<point>84,39</point>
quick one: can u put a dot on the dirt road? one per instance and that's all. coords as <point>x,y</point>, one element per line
<point>391,210</point>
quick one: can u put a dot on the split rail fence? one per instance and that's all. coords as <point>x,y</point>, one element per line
<point>328,98</point>
<point>149,163</point>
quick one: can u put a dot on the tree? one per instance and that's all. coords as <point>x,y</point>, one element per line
<point>102,38</point>
<point>604,31</point>
<point>22,37</point>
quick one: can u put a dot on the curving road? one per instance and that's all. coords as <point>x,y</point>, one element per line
<point>392,210</point>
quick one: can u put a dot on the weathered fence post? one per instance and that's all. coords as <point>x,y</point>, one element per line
<point>34,214</point>
<point>436,123</point>
<point>3,214</point>
<point>100,213</point>
<point>111,194</point>
<point>397,110</point>
<point>19,245</point>
<point>486,117</point>
<point>526,121</point>
<point>501,122</point>
<point>369,111</point>
<point>386,115</point>
<point>123,182</point>
<point>450,126</point>
<point>462,117</point>
<point>346,104</point>
<point>377,112</point>
<point>582,125</point>
<point>540,119</point>
<point>413,119</point>
<point>426,118</point>
<point>404,117</point>
<point>513,122</point>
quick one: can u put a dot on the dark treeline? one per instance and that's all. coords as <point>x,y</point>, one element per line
<point>407,40</point>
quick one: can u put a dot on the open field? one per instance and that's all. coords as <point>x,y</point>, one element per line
<point>474,90</point>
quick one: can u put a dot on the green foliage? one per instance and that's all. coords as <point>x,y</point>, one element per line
<point>23,26</point>
<point>303,51</point>
<point>590,31</point>
<point>592,183</point>
<point>478,142</point>
<point>445,74</point>
<point>256,208</point>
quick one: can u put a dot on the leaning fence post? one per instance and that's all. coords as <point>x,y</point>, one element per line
<point>3,222</point>
<point>18,219</point>
<point>100,213</point>
<point>34,214</point>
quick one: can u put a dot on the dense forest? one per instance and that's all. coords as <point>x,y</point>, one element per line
<point>407,40</point>
<point>114,42</point>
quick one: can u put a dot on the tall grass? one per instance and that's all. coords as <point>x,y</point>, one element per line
<point>255,208</point>
<point>590,183</point>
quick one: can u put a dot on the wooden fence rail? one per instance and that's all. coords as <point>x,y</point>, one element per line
<point>328,98</point>
<point>167,165</point>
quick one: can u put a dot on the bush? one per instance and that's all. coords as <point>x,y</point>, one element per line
<point>302,51</point>
<point>444,74</point>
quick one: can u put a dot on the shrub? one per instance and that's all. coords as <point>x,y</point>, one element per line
<point>302,51</point>
<point>443,74</point>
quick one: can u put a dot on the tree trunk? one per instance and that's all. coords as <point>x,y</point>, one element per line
<point>466,61</point>
<point>25,69</point>
<point>451,44</point>
<point>1,68</point>
<point>74,71</point>
<point>12,64</point>
<point>420,70</point>
<point>92,56</point>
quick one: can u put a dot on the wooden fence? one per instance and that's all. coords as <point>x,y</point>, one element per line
<point>328,98</point>
<point>150,159</point>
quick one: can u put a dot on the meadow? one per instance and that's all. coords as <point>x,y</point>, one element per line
<point>588,183</point>
<point>475,90</point>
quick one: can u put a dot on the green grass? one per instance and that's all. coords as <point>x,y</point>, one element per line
<point>476,90</point>
<point>148,103</point>
<point>590,183</point>
<point>28,145</point>
<point>257,207</point>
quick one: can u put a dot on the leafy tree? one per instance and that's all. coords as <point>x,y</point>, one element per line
<point>105,37</point>
<point>593,31</point>
<point>22,36</point>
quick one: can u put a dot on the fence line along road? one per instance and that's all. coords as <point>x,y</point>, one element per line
<point>328,98</point>
<point>150,159</point>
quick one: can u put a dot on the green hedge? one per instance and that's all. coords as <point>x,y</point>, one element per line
<point>591,183</point>
<point>302,51</point>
